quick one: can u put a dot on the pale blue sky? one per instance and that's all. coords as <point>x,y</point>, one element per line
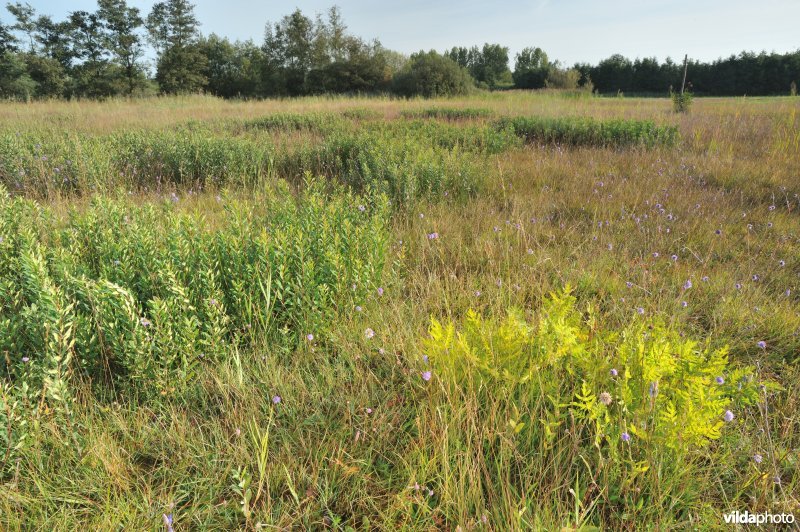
<point>568,30</point>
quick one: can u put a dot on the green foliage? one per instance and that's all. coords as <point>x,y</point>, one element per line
<point>531,69</point>
<point>487,65</point>
<point>429,75</point>
<point>464,113</point>
<point>589,132</point>
<point>681,101</point>
<point>640,399</point>
<point>142,297</point>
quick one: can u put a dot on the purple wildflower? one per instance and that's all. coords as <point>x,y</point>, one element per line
<point>640,310</point>
<point>720,380</point>
<point>380,291</point>
<point>167,518</point>
<point>625,436</point>
<point>362,208</point>
<point>310,337</point>
<point>369,333</point>
<point>614,372</point>
<point>757,458</point>
<point>728,416</point>
<point>433,236</point>
<point>426,376</point>
<point>688,284</point>
<point>145,322</point>
<point>276,399</point>
<point>25,360</point>
<point>762,344</point>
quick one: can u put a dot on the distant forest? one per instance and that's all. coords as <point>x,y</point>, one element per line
<point>102,54</point>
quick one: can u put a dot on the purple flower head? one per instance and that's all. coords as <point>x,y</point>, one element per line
<point>628,284</point>
<point>426,376</point>
<point>762,344</point>
<point>380,291</point>
<point>772,207</point>
<point>688,284</point>
<point>358,308</point>
<point>704,278</point>
<point>718,231</point>
<point>640,310</point>
<point>720,380</point>
<point>655,255</point>
<point>425,359</point>
<point>738,286</point>
<point>757,458</point>
<point>756,277</point>
<point>369,333</point>
<point>167,518</point>
<point>433,236</point>
<point>276,399</point>
<point>625,436</point>
<point>25,360</point>
<point>684,304</point>
<point>614,372</point>
<point>145,322</point>
<point>362,208</point>
<point>674,258</point>
<point>781,263</point>
<point>728,416</point>
<point>310,337</point>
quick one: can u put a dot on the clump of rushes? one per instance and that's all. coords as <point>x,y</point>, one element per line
<point>578,131</point>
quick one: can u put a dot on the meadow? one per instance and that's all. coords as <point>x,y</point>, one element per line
<point>508,311</point>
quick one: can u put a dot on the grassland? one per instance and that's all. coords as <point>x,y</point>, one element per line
<point>509,311</point>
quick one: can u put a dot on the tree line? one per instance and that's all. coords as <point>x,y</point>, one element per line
<point>102,54</point>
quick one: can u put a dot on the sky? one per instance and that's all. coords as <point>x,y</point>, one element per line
<point>568,30</point>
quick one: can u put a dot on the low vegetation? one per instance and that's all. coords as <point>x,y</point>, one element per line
<point>505,310</point>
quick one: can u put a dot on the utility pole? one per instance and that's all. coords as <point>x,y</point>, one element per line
<point>685,67</point>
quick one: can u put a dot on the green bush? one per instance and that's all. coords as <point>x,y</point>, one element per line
<point>636,404</point>
<point>431,75</point>
<point>681,101</point>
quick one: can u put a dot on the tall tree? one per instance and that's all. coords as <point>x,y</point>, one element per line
<point>26,20</point>
<point>94,75</point>
<point>531,69</point>
<point>174,32</point>
<point>121,23</point>
<point>8,42</point>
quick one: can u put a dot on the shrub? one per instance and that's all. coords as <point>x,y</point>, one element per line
<point>634,404</point>
<point>430,75</point>
<point>681,101</point>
